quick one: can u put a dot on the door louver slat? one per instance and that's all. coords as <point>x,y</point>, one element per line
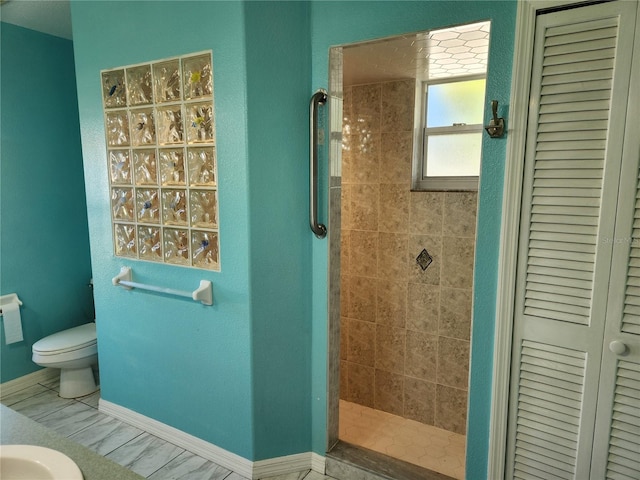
<point>545,419</point>
<point>631,311</point>
<point>624,441</point>
<point>574,55</point>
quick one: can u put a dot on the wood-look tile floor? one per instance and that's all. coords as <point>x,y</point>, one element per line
<point>414,442</point>
<point>147,455</point>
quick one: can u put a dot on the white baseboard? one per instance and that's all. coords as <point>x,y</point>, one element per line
<point>29,380</point>
<point>224,458</point>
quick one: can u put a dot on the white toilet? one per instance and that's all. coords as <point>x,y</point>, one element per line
<point>73,351</point>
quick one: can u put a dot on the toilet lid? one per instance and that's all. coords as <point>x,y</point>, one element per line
<point>72,339</point>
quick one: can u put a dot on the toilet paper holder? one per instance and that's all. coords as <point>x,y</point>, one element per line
<point>7,299</point>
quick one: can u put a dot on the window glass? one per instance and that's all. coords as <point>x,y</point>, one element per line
<point>453,155</point>
<point>455,102</point>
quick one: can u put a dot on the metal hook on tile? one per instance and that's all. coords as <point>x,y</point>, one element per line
<point>495,129</point>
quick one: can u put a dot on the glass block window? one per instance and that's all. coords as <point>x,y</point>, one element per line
<point>162,165</point>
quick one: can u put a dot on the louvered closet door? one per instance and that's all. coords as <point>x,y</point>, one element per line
<point>579,87</point>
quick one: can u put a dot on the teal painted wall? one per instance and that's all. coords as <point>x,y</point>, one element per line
<point>278,78</point>
<point>44,246</point>
<point>184,364</point>
<point>336,23</point>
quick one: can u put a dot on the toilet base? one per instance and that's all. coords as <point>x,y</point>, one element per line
<point>77,382</point>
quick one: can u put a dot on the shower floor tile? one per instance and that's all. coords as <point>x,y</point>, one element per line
<point>423,445</point>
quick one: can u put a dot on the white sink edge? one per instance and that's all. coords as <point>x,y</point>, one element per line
<point>18,462</point>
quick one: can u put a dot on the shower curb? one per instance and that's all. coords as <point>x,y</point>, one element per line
<point>350,462</point>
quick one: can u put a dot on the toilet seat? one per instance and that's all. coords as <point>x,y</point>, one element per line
<point>76,338</point>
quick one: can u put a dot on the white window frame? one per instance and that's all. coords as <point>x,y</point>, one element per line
<point>421,133</point>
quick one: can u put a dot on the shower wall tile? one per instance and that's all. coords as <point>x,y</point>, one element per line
<point>425,213</point>
<point>365,153</point>
<point>455,313</point>
<point>365,108</point>
<point>451,409</point>
<point>393,209</point>
<point>389,389</point>
<point>361,384</point>
<point>453,362</point>
<point>363,252</point>
<point>361,342</point>
<point>422,356</point>
<point>457,261</point>
<point>362,298</point>
<point>397,106</point>
<point>419,400</point>
<point>391,303</point>
<point>344,338</point>
<point>345,201</point>
<point>345,252</point>
<point>392,251</point>
<point>344,295</point>
<point>405,331</point>
<point>390,349</point>
<point>423,306</point>
<point>459,219</point>
<point>363,208</point>
<point>396,152</point>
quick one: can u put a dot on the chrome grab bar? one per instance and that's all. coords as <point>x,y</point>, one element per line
<point>318,98</point>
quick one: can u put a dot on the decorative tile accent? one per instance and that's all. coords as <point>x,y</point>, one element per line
<point>160,134</point>
<point>424,259</point>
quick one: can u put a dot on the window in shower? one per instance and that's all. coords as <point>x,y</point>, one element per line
<point>161,155</point>
<point>450,108</point>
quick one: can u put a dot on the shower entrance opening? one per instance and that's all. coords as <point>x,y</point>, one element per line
<point>401,287</point>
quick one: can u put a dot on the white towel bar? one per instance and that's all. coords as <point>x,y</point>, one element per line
<point>202,294</point>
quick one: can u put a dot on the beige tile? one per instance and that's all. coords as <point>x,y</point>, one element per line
<point>424,445</point>
<point>344,295</point>
<point>423,307</point>
<point>363,207</point>
<point>344,337</point>
<point>392,251</point>
<point>344,381</point>
<point>361,342</point>
<point>365,108</point>
<point>362,298</point>
<point>433,245</point>
<point>394,208</point>
<point>364,156</point>
<point>361,384</point>
<point>390,349</point>
<point>345,249</point>
<point>425,213</point>
<point>391,303</point>
<point>455,312</point>
<point>396,152</point>
<point>421,356</point>
<point>460,214</point>
<point>388,392</point>
<point>347,115</point>
<point>451,409</point>
<point>457,262</point>
<point>345,207</point>
<point>453,362</point>
<point>363,253</point>
<point>398,100</point>
<point>419,400</point>
<point>348,145</point>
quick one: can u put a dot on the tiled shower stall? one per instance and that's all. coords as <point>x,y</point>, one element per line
<point>405,330</point>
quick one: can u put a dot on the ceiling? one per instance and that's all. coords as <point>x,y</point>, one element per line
<point>448,52</point>
<point>47,16</point>
<point>461,50</point>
